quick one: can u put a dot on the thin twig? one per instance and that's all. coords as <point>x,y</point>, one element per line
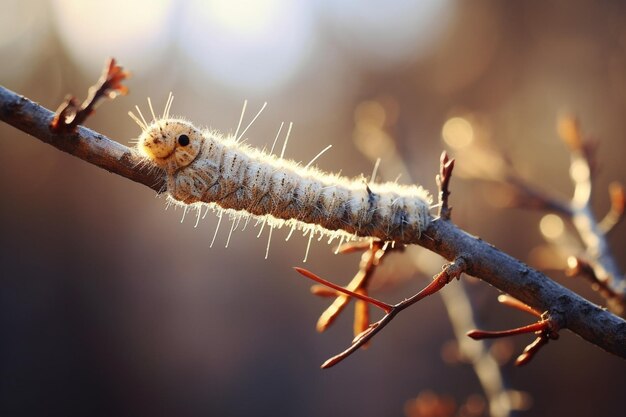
<point>477,352</point>
<point>530,197</point>
<point>69,114</point>
<point>446,166</point>
<point>383,306</point>
<point>484,334</point>
<point>578,267</point>
<point>449,272</point>
<point>373,254</point>
<point>546,329</point>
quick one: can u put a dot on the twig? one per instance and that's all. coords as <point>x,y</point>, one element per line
<point>530,197</point>
<point>592,232</point>
<point>380,304</point>
<point>484,261</point>
<point>578,267</point>
<point>618,203</point>
<point>69,114</point>
<point>477,352</point>
<point>373,254</point>
<point>446,166</point>
<point>546,329</point>
<point>449,272</point>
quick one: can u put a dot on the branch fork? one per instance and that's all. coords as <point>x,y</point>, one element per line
<point>546,329</point>
<point>448,273</point>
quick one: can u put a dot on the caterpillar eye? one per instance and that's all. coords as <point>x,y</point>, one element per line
<point>183,140</point>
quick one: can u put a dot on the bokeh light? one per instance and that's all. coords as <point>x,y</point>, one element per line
<point>579,171</point>
<point>247,45</point>
<point>134,32</point>
<point>457,132</point>
<point>551,226</point>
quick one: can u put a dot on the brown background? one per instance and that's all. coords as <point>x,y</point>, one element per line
<point>110,306</point>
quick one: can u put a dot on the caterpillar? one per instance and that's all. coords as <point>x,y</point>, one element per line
<point>206,168</point>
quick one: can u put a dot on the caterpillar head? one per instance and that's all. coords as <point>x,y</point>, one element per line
<point>171,144</point>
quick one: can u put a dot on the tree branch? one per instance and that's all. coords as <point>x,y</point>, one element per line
<point>484,261</point>
<point>84,143</point>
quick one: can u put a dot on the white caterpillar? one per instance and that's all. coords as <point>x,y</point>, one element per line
<point>205,167</point>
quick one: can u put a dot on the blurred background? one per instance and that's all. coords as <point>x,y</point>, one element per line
<point>109,306</point>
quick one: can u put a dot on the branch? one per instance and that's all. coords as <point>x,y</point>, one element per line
<point>483,260</point>
<point>571,311</point>
<point>83,143</point>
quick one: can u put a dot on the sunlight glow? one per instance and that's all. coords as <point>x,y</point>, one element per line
<point>387,33</point>
<point>243,17</point>
<point>370,113</point>
<point>551,226</point>
<point>457,132</point>
<point>579,170</point>
<point>134,32</point>
<point>247,44</point>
